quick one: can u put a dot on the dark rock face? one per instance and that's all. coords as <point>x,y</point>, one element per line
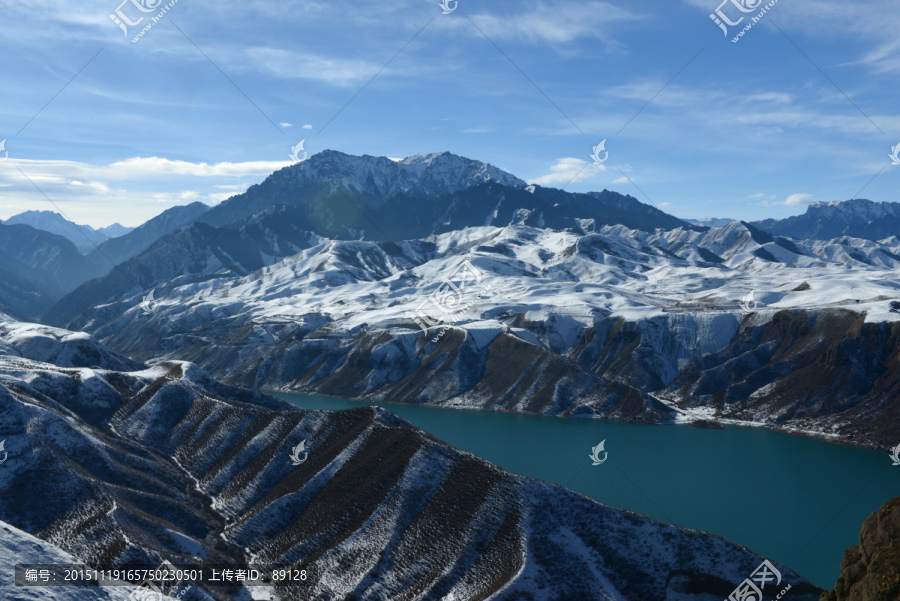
<point>871,570</point>
<point>827,370</point>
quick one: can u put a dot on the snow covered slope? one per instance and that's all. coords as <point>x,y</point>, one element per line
<point>711,221</point>
<point>166,463</point>
<point>18,547</point>
<point>672,325</point>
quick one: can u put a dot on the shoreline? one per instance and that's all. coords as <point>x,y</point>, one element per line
<point>704,422</point>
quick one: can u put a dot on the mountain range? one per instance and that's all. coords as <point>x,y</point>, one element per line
<point>38,268</point>
<point>114,462</point>
<point>611,307</point>
<point>858,218</point>
<point>139,419</point>
<point>622,310</point>
<point>619,323</point>
<point>84,237</point>
<point>338,196</point>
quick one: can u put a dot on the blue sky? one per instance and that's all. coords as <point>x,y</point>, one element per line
<point>803,108</point>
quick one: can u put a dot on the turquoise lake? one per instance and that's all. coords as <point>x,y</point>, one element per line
<point>794,500</point>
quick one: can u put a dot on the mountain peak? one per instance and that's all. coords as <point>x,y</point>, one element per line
<point>368,179</point>
<point>857,208</point>
<point>83,236</point>
<point>858,217</point>
<point>435,173</point>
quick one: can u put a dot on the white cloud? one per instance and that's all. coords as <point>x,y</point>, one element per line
<point>569,170</point>
<point>155,166</point>
<point>292,65</point>
<point>558,23</point>
<point>177,197</point>
<point>307,126</point>
<point>83,174</point>
<point>794,200</point>
<point>286,125</point>
<point>873,23</point>
<point>97,186</point>
<point>128,191</point>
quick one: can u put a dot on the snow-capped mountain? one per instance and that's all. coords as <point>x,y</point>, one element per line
<point>366,180</point>
<point>620,309</point>
<point>711,221</point>
<point>201,251</point>
<point>195,253</point>
<point>339,196</point>
<point>84,237</point>
<point>345,197</point>
<point>117,463</point>
<point>858,218</point>
<point>325,198</point>
<point>674,325</point>
<point>38,268</point>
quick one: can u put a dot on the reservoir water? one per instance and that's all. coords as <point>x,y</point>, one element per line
<point>795,500</point>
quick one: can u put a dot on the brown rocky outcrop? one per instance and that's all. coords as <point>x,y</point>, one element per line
<point>871,570</point>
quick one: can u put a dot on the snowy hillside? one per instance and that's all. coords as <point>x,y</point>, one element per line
<point>18,547</point>
<point>165,463</point>
<point>711,221</point>
<point>666,326</point>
